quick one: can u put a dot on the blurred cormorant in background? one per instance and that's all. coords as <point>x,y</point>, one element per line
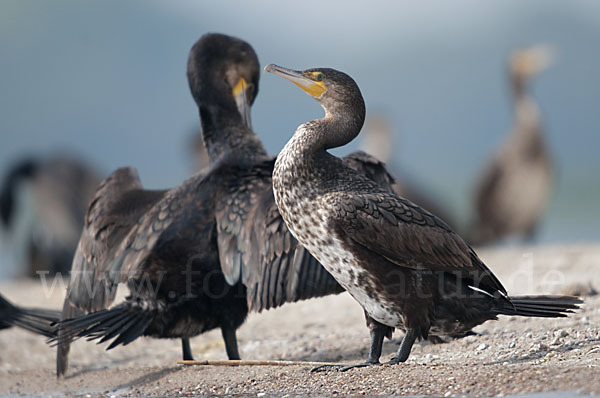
<point>60,188</point>
<point>512,192</point>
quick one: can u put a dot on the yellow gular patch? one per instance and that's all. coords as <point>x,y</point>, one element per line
<point>316,89</point>
<point>239,87</point>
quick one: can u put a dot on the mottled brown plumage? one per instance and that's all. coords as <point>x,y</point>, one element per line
<point>405,266</point>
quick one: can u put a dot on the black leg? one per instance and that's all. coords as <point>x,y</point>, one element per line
<point>187,350</point>
<point>405,347</point>
<point>230,342</point>
<point>377,334</point>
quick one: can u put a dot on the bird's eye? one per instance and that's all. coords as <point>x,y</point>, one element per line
<point>320,77</point>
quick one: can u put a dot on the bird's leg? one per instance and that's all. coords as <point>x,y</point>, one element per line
<point>187,350</point>
<point>230,339</point>
<point>378,332</point>
<point>405,347</point>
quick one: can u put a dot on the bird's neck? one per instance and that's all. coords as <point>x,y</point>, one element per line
<point>526,111</point>
<point>312,139</point>
<point>224,131</point>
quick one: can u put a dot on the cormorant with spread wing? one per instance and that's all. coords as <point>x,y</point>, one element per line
<point>405,266</point>
<point>201,255</point>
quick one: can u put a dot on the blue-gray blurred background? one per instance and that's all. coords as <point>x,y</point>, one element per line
<point>106,81</point>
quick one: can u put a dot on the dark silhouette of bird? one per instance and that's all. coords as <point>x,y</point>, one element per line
<point>35,320</point>
<point>201,255</point>
<point>60,188</point>
<point>406,267</point>
<point>513,190</point>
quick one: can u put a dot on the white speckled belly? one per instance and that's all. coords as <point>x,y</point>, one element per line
<point>306,217</point>
<point>338,260</point>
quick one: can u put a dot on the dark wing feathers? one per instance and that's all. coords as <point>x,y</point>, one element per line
<point>406,234</point>
<point>90,287</point>
<point>372,168</point>
<point>118,203</point>
<point>257,249</point>
<point>174,223</point>
<point>40,321</point>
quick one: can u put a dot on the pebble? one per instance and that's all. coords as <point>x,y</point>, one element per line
<point>470,339</point>
<point>557,341</point>
<point>560,333</point>
<point>529,335</point>
<point>538,347</point>
<point>512,344</point>
<point>482,347</point>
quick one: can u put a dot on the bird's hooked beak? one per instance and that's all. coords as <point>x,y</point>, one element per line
<point>306,82</point>
<point>240,95</point>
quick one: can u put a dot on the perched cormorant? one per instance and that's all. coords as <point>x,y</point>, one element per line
<point>201,255</point>
<point>33,319</point>
<point>513,190</point>
<point>61,188</point>
<point>405,266</point>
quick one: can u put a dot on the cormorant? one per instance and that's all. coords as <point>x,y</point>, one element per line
<point>33,319</point>
<point>514,188</point>
<point>405,266</point>
<point>201,255</point>
<point>61,187</point>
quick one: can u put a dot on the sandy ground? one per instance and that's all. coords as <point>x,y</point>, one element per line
<point>511,356</point>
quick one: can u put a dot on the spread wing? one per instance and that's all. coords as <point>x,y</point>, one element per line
<point>168,235</point>
<point>256,248</point>
<point>406,234</point>
<point>116,206</point>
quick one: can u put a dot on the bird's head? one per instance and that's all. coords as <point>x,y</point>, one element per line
<point>338,94</point>
<point>334,90</point>
<point>224,70</point>
<point>527,63</point>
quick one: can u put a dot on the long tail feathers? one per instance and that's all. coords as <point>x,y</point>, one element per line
<point>541,306</point>
<point>123,323</point>
<point>32,319</point>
